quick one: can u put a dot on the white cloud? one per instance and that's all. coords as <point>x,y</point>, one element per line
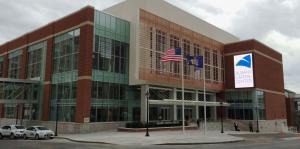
<point>274,22</point>
<point>289,48</point>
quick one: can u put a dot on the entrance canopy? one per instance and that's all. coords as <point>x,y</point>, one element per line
<point>187,102</point>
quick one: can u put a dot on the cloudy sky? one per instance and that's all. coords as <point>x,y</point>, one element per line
<point>273,22</point>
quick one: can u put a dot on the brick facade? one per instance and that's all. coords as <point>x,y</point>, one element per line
<point>291,111</point>
<point>271,83</point>
<point>84,74</point>
<point>268,74</point>
<point>82,19</point>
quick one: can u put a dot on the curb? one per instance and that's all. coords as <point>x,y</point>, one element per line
<point>80,141</point>
<point>221,142</point>
<point>195,143</point>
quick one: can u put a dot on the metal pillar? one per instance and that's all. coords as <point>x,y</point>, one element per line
<point>147,124</point>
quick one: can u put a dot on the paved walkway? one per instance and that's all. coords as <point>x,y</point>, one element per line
<point>157,137</point>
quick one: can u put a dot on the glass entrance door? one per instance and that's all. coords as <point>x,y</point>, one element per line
<point>165,113</point>
<point>188,113</point>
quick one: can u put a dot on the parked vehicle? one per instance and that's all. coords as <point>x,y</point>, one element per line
<point>12,131</point>
<point>38,132</point>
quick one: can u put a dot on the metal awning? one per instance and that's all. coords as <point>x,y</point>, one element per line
<point>18,101</point>
<point>187,102</point>
<point>18,80</point>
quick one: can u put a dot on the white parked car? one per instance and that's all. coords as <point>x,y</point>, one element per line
<point>12,131</point>
<point>38,132</point>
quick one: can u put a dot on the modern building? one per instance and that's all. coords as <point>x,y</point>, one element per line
<point>96,66</point>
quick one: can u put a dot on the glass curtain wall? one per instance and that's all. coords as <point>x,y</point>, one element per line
<point>35,71</point>
<point>35,59</point>
<point>110,91</point>
<point>244,105</point>
<point>65,74</point>
<point>26,92</point>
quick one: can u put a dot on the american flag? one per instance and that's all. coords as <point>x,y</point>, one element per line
<point>173,54</point>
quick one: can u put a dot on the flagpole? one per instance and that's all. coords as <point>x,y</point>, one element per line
<point>182,91</point>
<point>204,93</point>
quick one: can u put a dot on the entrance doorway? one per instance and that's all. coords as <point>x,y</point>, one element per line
<point>165,113</point>
<point>188,113</point>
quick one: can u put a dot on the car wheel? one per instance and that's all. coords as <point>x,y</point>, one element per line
<point>25,137</point>
<point>37,137</point>
<point>1,136</point>
<point>12,136</point>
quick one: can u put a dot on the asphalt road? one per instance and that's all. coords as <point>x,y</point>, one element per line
<point>252,142</point>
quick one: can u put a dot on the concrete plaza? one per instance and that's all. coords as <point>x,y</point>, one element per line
<point>156,137</point>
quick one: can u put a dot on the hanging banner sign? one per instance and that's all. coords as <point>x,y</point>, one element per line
<point>243,71</point>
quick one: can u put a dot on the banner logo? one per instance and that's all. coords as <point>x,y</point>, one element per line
<point>243,71</point>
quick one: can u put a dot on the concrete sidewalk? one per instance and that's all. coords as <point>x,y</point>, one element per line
<point>156,138</point>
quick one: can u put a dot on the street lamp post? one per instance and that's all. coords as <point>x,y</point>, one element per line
<point>56,121</point>
<point>257,114</point>
<point>17,113</point>
<point>257,126</point>
<point>222,129</point>
<point>147,124</point>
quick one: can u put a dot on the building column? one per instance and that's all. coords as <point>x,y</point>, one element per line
<point>175,106</point>
<point>213,108</point>
<point>84,83</point>
<point>197,107</point>
<point>144,89</point>
<point>2,110</point>
<point>23,67</point>
<point>47,80</point>
<point>5,66</point>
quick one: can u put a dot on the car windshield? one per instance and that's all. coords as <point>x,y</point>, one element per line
<point>19,127</point>
<point>42,128</point>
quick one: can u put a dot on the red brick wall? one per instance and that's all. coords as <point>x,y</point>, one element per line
<point>5,66</point>
<point>229,72</point>
<point>268,74</point>
<point>47,86</point>
<point>262,66</point>
<point>46,102</point>
<point>84,84</point>
<point>23,69</point>
<point>2,110</point>
<point>247,45</point>
<point>290,109</point>
<point>275,106</point>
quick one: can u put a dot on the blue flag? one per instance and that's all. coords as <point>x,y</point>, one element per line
<point>189,59</point>
<point>199,62</point>
<point>177,51</point>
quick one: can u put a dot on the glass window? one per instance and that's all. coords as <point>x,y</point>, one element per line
<point>174,43</point>
<point>161,46</point>
<point>243,105</point>
<point>66,113</point>
<point>207,72</point>
<point>66,52</point>
<point>186,47</point>
<point>10,110</point>
<point>110,55</point>
<point>215,58</point>
<point>34,63</point>
<point>197,50</point>
<point>14,66</point>
<point>207,56</point>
